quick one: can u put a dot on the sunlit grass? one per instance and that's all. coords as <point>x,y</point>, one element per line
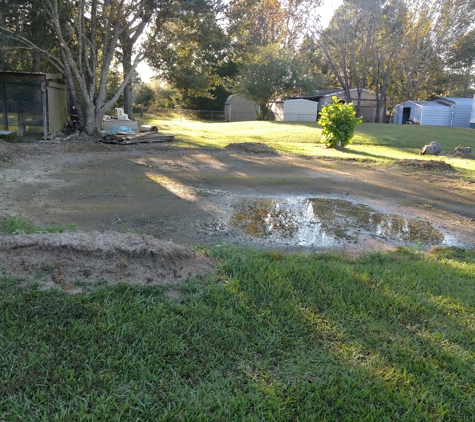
<point>270,337</point>
<point>377,143</point>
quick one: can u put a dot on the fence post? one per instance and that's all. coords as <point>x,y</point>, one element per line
<point>45,109</point>
<point>3,94</point>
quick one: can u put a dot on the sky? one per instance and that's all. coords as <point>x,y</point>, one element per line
<point>326,12</point>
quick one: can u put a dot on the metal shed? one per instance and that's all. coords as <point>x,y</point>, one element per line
<point>472,114</point>
<point>237,108</point>
<point>431,113</point>
<point>298,110</point>
<point>32,103</point>
<point>463,109</point>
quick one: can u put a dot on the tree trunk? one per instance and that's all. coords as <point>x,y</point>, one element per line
<point>38,95</point>
<point>90,125</point>
<point>127,66</point>
<point>262,112</point>
<point>359,91</point>
<point>378,98</point>
<point>127,42</point>
<point>36,61</point>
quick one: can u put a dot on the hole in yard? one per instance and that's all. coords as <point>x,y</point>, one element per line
<point>326,222</point>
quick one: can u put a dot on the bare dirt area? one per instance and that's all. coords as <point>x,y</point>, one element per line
<point>59,260</point>
<point>240,195</point>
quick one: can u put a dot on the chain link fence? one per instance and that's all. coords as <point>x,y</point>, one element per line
<point>182,114</point>
<point>23,107</point>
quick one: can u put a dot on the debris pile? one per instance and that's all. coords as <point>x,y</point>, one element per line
<point>426,164</point>
<point>462,152</point>
<point>251,147</point>
<point>126,138</point>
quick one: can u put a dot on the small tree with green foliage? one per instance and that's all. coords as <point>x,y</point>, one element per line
<point>338,121</point>
<point>273,72</point>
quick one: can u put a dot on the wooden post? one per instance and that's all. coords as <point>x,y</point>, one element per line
<point>45,109</point>
<point>3,95</point>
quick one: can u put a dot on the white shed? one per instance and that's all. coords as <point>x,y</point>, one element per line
<point>431,113</point>
<point>237,108</point>
<point>406,111</point>
<point>296,110</point>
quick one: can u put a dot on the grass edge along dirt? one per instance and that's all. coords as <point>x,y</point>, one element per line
<point>18,224</point>
<point>271,336</point>
<point>375,143</point>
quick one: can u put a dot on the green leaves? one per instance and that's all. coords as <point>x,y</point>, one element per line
<point>338,121</point>
<point>273,72</point>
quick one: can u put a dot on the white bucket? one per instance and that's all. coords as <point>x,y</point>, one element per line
<point>147,128</point>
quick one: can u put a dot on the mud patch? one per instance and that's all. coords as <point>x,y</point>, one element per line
<point>74,262</point>
<point>325,222</point>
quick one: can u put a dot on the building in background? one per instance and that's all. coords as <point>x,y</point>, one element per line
<point>237,108</point>
<point>448,111</point>
<point>295,110</point>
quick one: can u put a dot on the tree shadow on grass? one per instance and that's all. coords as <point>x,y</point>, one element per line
<point>393,351</point>
<point>365,155</point>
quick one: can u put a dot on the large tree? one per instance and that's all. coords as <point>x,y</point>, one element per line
<point>192,51</point>
<point>88,35</point>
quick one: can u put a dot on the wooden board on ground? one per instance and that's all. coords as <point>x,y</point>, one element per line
<point>122,138</point>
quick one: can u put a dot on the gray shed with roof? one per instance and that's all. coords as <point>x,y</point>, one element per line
<point>448,111</point>
<point>237,108</point>
<point>430,113</point>
<point>463,109</point>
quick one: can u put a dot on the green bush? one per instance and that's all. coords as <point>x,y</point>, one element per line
<point>338,121</point>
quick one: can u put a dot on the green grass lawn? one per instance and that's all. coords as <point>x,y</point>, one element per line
<point>378,143</point>
<point>270,337</point>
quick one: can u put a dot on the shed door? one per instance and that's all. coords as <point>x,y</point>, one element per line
<point>406,114</point>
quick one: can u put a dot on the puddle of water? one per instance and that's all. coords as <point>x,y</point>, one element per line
<point>326,222</point>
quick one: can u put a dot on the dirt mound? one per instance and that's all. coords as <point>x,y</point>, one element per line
<point>426,164</point>
<point>76,260</point>
<point>252,147</point>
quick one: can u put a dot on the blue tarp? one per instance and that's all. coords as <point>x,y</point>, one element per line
<point>115,129</point>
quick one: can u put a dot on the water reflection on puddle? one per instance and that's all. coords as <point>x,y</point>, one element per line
<point>326,222</point>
